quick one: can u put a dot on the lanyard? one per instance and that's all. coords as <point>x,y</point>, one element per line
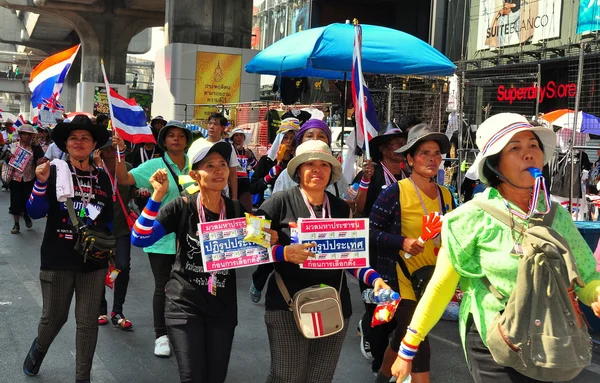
<point>84,200</point>
<point>144,154</point>
<point>390,178</point>
<point>326,206</point>
<point>439,197</point>
<point>540,185</point>
<point>212,279</point>
<point>202,215</point>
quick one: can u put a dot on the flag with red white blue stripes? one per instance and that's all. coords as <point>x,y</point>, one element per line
<point>367,124</point>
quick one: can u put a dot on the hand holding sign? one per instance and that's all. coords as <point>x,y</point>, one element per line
<point>432,226</point>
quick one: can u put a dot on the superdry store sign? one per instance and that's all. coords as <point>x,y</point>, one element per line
<point>551,90</point>
<point>503,23</point>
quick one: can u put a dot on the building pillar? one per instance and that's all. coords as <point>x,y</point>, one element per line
<point>225,23</point>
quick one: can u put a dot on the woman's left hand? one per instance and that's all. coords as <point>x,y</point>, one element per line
<point>401,369</point>
<point>274,235</point>
<point>596,305</point>
<point>379,284</point>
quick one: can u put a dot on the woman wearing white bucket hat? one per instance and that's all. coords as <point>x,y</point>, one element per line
<point>484,254</point>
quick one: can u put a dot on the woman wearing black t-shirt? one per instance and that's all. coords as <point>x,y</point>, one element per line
<point>294,358</point>
<point>64,271</point>
<point>200,322</point>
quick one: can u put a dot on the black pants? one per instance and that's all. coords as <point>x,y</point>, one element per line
<point>161,265</point>
<point>378,336</point>
<point>19,195</point>
<point>123,263</point>
<point>482,365</point>
<point>260,276</point>
<point>202,349</point>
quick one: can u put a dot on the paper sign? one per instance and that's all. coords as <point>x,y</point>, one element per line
<point>340,243</point>
<point>49,117</point>
<point>223,246</point>
<point>20,158</point>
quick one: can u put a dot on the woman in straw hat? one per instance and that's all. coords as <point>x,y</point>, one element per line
<point>294,358</point>
<point>201,307</point>
<point>22,178</point>
<point>64,271</point>
<point>477,245</point>
<point>396,226</point>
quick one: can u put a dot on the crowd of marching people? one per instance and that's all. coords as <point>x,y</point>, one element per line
<point>87,182</point>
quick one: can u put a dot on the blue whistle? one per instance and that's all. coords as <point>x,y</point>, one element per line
<point>535,172</point>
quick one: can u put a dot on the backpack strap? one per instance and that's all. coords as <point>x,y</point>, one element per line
<point>184,215</point>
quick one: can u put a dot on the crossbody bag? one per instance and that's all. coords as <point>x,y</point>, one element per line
<point>317,309</point>
<point>93,244</point>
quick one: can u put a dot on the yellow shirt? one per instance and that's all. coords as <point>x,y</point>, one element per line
<point>411,215</point>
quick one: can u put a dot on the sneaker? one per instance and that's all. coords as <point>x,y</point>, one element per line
<point>28,222</point>
<point>161,347</point>
<point>255,294</point>
<point>365,347</point>
<point>33,360</point>
<point>16,229</point>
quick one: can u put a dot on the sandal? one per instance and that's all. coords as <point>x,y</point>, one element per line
<point>102,320</point>
<point>120,321</point>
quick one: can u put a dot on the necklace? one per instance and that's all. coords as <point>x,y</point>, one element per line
<point>436,240</point>
<point>517,249</point>
<point>85,198</point>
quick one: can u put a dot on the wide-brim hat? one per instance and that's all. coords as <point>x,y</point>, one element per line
<point>158,118</point>
<point>377,141</point>
<point>247,134</point>
<point>423,132</point>
<point>311,151</point>
<point>174,124</point>
<point>27,128</point>
<point>202,148</point>
<point>497,131</point>
<point>61,132</point>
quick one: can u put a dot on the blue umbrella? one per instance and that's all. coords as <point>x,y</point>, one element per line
<point>326,52</point>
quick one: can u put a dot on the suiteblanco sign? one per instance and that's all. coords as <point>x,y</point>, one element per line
<point>503,23</point>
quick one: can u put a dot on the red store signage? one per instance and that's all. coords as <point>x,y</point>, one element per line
<point>549,91</point>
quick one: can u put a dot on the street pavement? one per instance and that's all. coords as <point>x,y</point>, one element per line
<point>128,356</point>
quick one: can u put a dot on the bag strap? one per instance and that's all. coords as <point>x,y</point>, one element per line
<point>442,202</point>
<point>181,222</point>
<point>174,175</point>
<point>284,291</point>
<point>121,201</point>
<point>72,214</point>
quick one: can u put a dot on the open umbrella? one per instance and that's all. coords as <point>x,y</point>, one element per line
<point>70,115</point>
<point>326,52</point>
<point>565,118</point>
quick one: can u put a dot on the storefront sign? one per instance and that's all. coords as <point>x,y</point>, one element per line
<point>503,23</point>
<point>223,246</point>
<point>589,16</point>
<point>218,78</point>
<point>339,243</point>
<point>549,91</point>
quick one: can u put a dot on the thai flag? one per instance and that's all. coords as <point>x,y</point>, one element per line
<point>17,124</point>
<point>48,77</point>
<point>129,119</point>
<point>367,124</point>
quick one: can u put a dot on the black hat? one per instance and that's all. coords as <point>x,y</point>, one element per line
<point>377,141</point>
<point>158,118</point>
<point>62,130</point>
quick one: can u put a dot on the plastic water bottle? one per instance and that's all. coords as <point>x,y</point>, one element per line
<point>352,192</point>
<point>408,379</point>
<point>268,192</point>
<point>385,295</point>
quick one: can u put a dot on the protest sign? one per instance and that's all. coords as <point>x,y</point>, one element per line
<point>49,117</point>
<point>223,246</point>
<point>340,243</point>
<point>20,158</point>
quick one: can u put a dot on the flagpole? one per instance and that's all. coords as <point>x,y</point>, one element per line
<point>110,107</point>
<point>361,93</point>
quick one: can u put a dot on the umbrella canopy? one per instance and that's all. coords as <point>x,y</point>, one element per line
<point>565,118</point>
<point>70,115</point>
<point>326,52</point>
